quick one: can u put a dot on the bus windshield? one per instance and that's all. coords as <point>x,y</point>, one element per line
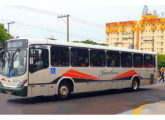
<point>13,62</point>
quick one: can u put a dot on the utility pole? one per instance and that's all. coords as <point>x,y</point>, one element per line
<point>137,38</point>
<point>9,25</point>
<point>62,16</point>
<point>133,47</point>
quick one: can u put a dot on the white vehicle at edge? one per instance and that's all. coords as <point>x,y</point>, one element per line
<point>44,67</point>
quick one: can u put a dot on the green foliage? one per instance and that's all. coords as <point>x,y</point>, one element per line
<point>161,60</point>
<point>3,34</point>
<point>90,42</point>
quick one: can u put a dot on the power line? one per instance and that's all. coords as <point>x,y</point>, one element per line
<point>80,20</point>
<point>45,29</point>
<point>41,28</point>
<point>35,10</point>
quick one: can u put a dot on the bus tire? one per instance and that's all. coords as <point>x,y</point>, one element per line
<point>64,90</point>
<point>135,84</point>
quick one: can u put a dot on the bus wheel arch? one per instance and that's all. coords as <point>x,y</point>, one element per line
<point>65,87</point>
<point>135,83</point>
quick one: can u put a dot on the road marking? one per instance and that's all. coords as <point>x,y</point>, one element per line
<point>137,111</point>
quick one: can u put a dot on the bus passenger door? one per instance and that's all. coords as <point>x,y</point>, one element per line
<point>38,71</point>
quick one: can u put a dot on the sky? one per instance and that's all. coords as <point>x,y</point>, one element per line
<point>38,18</point>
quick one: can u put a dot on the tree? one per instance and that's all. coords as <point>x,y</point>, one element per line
<point>161,60</point>
<point>90,42</point>
<point>3,34</point>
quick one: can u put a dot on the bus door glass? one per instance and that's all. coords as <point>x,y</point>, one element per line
<point>39,69</point>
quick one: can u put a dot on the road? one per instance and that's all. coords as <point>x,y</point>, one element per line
<point>107,102</point>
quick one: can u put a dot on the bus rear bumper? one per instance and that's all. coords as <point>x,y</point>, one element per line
<point>14,91</point>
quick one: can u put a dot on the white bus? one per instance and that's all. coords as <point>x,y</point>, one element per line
<point>44,67</point>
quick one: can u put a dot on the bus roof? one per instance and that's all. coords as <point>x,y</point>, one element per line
<point>72,44</point>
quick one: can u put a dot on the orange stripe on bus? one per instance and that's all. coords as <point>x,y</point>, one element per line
<point>76,74</point>
<point>127,74</point>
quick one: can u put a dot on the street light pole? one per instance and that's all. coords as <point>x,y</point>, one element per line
<point>67,28</point>
<point>133,41</point>
<point>9,25</point>
<point>67,24</point>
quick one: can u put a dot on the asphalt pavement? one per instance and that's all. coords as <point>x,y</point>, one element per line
<point>120,101</point>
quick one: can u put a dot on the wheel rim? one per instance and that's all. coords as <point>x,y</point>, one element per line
<point>64,90</point>
<point>135,85</point>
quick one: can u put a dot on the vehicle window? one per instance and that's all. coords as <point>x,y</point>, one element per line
<point>148,61</point>
<point>79,57</point>
<point>113,59</point>
<point>126,59</point>
<point>137,60</point>
<point>154,60</point>
<point>38,59</point>
<point>97,58</point>
<point>59,56</point>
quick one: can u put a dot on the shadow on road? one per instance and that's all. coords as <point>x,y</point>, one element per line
<point>42,99</point>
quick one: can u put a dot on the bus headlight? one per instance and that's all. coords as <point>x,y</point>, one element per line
<point>21,84</point>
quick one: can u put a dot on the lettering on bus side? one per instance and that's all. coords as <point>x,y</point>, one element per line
<point>104,72</point>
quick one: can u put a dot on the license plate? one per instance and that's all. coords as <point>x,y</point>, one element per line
<point>8,93</point>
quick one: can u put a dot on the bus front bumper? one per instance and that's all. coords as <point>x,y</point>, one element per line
<point>14,91</point>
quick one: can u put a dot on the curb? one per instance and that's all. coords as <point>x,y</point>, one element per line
<point>152,108</point>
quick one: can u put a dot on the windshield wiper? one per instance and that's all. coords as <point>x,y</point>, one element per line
<point>12,62</point>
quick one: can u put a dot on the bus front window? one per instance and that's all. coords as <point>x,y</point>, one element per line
<point>13,62</point>
<point>19,64</point>
<point>4,63</point>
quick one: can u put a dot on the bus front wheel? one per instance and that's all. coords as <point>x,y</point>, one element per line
<point>64,90</point>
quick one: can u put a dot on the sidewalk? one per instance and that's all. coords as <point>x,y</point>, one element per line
<point>153,108</point>
<point>149,109</point>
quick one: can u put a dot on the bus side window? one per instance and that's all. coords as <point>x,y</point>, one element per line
<point>137,60</point>
<point>126,59</point>
<point>97,58</point>
<point>148,61</point>
<point>38,59</point>
<point>79,57</point>
<point>59,56</point>
<point>113,59</point>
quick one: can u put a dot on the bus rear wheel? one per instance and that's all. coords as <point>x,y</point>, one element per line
<point>64,90</point>
<point>135,85</point>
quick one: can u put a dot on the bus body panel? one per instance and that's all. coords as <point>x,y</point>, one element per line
<point>85,79</point>
<point>89,85</point>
